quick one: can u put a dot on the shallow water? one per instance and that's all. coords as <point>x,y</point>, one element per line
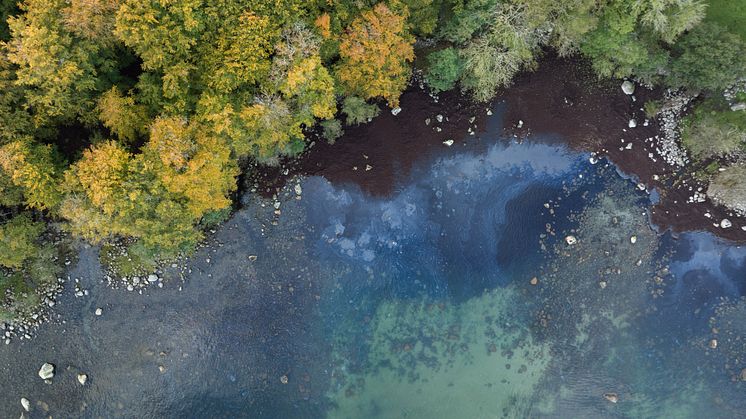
<point>416,305</point>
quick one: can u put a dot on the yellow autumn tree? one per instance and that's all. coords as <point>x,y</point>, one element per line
<point>375,53</point>
<point>124,117</point>
<point>32,168</point>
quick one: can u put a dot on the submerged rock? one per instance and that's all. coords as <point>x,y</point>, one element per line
<point>26,404</point>
<point>82,378</point>
<point>99,311</point>
<point>448,142</point>
<point>612,397</point>
<point>46,371</point>
<point>571,240</point>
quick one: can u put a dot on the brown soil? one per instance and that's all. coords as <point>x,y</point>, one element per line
<point>562,97</point>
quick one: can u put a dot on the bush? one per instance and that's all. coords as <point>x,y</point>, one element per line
<point>444,69</point>
<point>358,111</point>
<point>332,130</point>
<point>713,130</point>
<point>709,57</point>
<point>729,188</point>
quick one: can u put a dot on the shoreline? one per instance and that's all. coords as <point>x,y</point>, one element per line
<point>562,97</point>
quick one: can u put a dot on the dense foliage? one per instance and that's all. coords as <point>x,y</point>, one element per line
<point>129,120</point>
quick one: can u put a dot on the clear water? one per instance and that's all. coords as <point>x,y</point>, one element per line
<point>417,305</point>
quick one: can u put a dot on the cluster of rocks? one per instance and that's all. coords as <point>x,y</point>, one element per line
<point>675,103</point>
<point>730,94</point>
<point>26,323</point>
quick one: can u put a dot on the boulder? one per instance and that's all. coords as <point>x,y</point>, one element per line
<point>738,107</point>
<point>725,223</point>
<point>46,371</point>
<point>628,87</point>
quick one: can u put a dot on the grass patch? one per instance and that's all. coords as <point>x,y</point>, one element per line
<point>713,130</point>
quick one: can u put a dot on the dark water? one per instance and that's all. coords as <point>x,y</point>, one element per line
<point>417,305</point>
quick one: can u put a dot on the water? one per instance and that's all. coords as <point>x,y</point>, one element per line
<point>416,305</point>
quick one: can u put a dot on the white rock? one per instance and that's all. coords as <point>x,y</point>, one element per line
<point>520,123</point>
<point>725,223</point>
<point>632,123</point>
<point>628,87</point>
<point>395,111</point>
<point>738,107</point>
<point>633,239</point>
<point>571,240</point>
<point>439,117</point>
<point>82,378</point>
<point>99,312</point>
<point>152,278</point>
<point>46,371</point>
<point>489,111</point>
<point>448,142</point>
<point>298,189</point>
<point>26,404</point>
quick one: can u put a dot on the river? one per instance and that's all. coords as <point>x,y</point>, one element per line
<point>454,295</point>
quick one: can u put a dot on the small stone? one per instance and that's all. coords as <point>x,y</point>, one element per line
<point>99,311</point>
<point>628,87</point>
<point>632,123</point>
<point>152,278</point>
<point>602,284</point>
<point>439,118</point>
<point>46,371</point>
<point>26,404</point>
<point>161,368</point>
<point>725,223</point>
<point>368,168</point>
<point>612,397</point>
<point>713,344</point>
<point>633,239</point>
<point>395,111</point>
<point>448,142</point>
<point>520,123</point>
<point>82,378</point>
<point>534,281</point>
<point>571,240</point>
<point>253,258</point>
<point>284,379</point>
<point>489,112</point>
<point>298,189</point>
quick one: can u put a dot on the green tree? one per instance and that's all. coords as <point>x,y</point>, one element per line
<point>709,57</point>
<point>34,168</point>
<point>444,69</point>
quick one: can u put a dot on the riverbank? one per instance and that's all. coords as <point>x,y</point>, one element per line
<point>562,101</point>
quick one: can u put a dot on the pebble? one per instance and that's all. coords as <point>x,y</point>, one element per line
<point>633,239</point>
<point>152,278</point>
<point>82,378</point>
<point>713,344</point>
<point>284,379</point>
<point>46,371</point>
<point>99,311</point>
<point>26,404</point>
<point>725,223</point>
<point>571,240</point>
<point>534,281</point>
<point>448,142</point>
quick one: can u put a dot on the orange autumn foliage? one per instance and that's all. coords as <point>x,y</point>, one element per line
<point>375,51</point>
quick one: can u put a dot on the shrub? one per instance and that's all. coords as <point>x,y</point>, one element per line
<point>713,130</point>
<point>332,130</point>
<point>444,69</point>
<point>358,111</point>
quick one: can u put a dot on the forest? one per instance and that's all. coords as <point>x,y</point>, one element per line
<point>128,122</point>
